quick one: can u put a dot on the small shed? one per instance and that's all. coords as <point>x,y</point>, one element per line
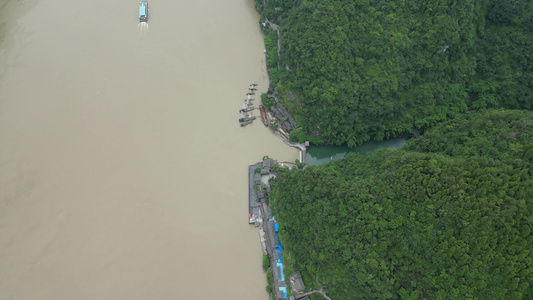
<point>267,162</point>
<point>257,178</point>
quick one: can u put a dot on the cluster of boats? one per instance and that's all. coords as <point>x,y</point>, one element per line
<point>246,111</point>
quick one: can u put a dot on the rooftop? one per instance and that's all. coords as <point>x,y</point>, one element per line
<point>297,283</point>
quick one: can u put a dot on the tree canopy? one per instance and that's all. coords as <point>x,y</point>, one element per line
<point>351,71</point>
<point>448,216</point>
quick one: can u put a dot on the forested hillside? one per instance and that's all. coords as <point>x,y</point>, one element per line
<point>449,216</point>
<point>354,70</point>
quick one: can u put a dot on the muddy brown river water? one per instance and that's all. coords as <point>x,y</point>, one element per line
<point>123,171</point>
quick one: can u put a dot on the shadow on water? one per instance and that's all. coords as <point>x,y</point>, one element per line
<point>317,155</point>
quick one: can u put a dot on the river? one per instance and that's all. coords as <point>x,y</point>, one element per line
<point>318,155</point>
<point>123,171</point>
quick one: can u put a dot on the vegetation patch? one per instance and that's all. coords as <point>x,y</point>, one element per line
<point>448,216</point>
<point>351,71</point>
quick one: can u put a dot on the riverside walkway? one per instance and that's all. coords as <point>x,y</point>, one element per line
<point>261,216</point>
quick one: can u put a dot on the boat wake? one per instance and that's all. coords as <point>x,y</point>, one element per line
<point>143,27</point>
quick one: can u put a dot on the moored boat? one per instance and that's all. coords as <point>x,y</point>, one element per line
<point>246,123</point>
<point>248,109</point>
<point>263,115</point>
<point>246,119</point>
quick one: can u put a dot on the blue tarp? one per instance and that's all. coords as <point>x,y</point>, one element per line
<point>284,290</point>
<point>280,265</point>
<point>276,228</point>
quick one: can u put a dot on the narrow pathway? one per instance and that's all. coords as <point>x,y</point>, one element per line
<point>276,28</point>
<point>314,292</point>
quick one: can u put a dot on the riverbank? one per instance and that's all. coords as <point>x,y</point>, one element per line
<point>260,214</point>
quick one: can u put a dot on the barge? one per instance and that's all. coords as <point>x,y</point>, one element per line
<point>263,115</point>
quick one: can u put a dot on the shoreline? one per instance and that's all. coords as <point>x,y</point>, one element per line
<point>260,214</point>
<point>259,176</point>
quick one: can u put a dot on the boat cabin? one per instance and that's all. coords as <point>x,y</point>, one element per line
<point>143,11</point>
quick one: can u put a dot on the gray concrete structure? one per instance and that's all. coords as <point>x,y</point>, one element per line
<point>254,210</point>
<point>270,238</point>
<point>257,177</point>
<point>265,211</point>
<point>260,194</point>
<point>261,215</point>
<point>297,283</point>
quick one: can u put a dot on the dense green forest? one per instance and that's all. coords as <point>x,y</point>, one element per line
<point>355,70</point>
<point>448,216</point>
